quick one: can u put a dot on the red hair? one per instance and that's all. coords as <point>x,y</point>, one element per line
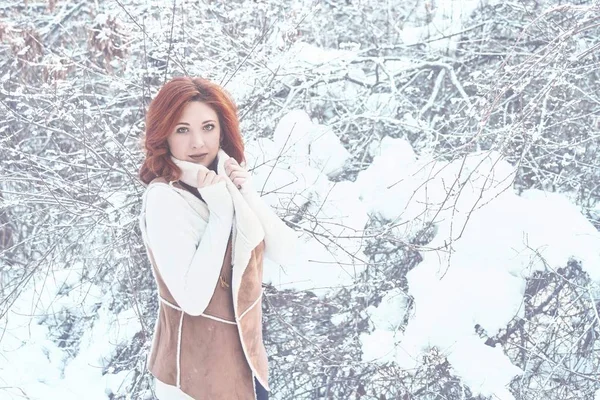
<point>164,112</point>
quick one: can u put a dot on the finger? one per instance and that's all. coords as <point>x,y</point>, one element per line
<point>230,170</point>
<point>209,178</point>
<point>228,166</point>
<point>218,178</point>
<point>234,174</point>
<point>238,165</point>
<point>201,176</point>
<point>238,182</point>
<point>235,171</point>
<point>202,173</point>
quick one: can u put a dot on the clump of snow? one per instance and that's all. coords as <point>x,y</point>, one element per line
<point>39,368</point>
<point>484,369</point>
<point>300,140</point>
<point>98,347</point>
<point>379,346</point>
<point>567,234</point>
<point>488,241</point>
<point>242,84</point>
<point>385,319</point>
<point>414,192</point>
<point>441,22</point>
<point>304,60</point>
<point>303,55</point>
<point>382,104</point>
<point>101,19</point>
<point>390,313</point>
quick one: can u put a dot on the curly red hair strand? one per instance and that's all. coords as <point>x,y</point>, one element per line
<point>164,112</point>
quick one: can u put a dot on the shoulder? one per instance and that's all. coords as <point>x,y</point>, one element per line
<point>171,198</point>
<point>156,188</point>
<point>162,194</point>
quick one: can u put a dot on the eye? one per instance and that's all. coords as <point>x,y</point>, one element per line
<point>182,129</point>
<point>209,127</point>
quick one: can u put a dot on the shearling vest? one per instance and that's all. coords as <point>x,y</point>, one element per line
<point>217,354</point>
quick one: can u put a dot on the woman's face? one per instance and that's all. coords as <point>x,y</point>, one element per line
<point>196,135</point>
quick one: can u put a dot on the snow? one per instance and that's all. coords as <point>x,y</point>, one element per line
<point>488,240</point>
<point>484,369</point>
<point>306,61</point>
<point>308,55</point>
<point>40,368</point>
<point>498,239</point>
<point>390,313</point>
<point>292,171</point>
<point>379,346</point>
<point>383,104</point>
<point>446,18</point>
<point>299,139</point>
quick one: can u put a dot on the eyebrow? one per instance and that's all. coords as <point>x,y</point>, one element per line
<point>205,122</point>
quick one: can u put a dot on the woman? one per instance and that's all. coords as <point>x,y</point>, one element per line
<point>205,230</point>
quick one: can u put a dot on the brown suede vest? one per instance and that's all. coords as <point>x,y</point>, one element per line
<point>208,358</point>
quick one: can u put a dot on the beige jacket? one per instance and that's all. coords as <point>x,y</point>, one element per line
<point>217,353</point>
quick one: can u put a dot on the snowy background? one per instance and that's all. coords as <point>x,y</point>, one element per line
<point>438,159</point>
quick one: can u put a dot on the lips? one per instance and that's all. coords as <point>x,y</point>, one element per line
<point>198,156</point>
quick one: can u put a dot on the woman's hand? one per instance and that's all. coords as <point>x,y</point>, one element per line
<point>238,175</point>
<point>196,175</point>
<point>205,180</point>
<point>206,177</point>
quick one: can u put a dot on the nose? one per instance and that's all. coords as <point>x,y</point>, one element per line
<point>197,140</point>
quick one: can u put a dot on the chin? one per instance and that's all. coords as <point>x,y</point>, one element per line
<point>204,162</point>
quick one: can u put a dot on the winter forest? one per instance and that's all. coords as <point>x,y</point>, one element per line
<point>438,160</point>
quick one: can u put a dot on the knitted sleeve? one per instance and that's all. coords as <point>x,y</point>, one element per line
<point>188,251</point>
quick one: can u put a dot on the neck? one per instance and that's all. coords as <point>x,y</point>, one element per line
<point>213,165</point>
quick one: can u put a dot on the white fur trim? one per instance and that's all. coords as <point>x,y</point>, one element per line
<point>179,350</point>
<point>252,305</point>
<point>254,386</point>
<point>173,306</point>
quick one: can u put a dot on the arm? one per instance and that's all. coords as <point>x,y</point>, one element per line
<point>189,259</point>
